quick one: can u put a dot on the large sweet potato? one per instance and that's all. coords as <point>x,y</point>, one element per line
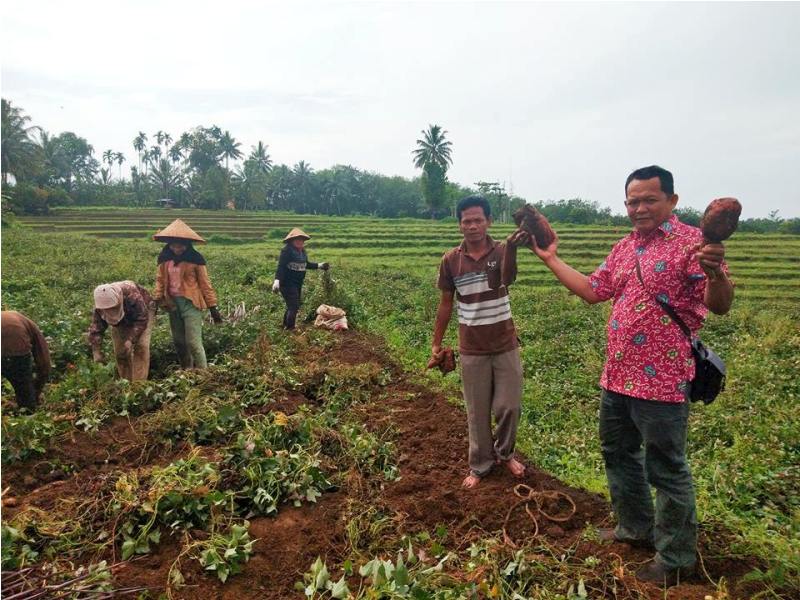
<point>720,219</point>
<point>529,219</point>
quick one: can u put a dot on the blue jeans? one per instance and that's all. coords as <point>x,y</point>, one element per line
<point>644,444</point>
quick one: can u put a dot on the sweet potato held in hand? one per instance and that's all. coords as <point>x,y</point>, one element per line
<point>529,219</point>
<point>720,219</point>
<point>445,360</point>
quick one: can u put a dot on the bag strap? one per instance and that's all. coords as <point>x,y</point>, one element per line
<point>665,306</point>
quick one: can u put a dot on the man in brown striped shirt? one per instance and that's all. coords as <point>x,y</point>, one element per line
<point>491,371</point>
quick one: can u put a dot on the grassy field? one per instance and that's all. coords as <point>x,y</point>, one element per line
<point>744,449</point>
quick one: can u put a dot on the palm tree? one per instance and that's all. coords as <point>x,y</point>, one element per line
<point>433,148</point>
<point>120,158</point>
<point>139,144</point>
<point>105,177</point>
<point>229,147</point>
<point>165,175</point>
<point>155,153</point>
<point>432,155</point>
<point>20,153</point>
<point>108,158</point>
<point>303,185</point>
<point>159,135</point>
<point>260,157</point>
<point>175,152</point>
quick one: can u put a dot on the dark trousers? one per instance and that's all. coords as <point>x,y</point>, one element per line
<point>291,296</point>
<point>19,371</point>
<point>644,444</point>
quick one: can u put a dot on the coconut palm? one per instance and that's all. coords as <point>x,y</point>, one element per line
<point>20,153</point>
<point>176,152</point>
<point>139,144</point>
<point>229,148</point>
<point>260,157</point>
<point>303,185</point>
<point>120,158</point>
<point>108,157</point>
<point>433,148</point>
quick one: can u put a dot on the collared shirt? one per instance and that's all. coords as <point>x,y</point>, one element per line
<point>136,305</point>
<point>21,336</point>
<point>647,355</point>
<point>485,325</point>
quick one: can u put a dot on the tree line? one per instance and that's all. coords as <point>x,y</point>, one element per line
<point>207,167</point>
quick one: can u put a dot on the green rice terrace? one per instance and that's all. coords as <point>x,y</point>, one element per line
<point>328,464</point>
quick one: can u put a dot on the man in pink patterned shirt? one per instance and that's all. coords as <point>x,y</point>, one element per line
<point>649,366</point>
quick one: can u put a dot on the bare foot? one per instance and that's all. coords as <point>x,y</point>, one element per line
<point>516,468</point>
<point>470,481</point>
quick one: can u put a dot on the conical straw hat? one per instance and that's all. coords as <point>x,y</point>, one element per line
<point>295,233</point>
<point>177,230</point>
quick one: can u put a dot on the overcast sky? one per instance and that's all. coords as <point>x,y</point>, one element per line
<point>556,100</point>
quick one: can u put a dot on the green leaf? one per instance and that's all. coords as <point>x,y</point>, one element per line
<point>340,590</point>
<point>128,548</point>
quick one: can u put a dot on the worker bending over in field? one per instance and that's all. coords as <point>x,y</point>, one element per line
<point>184,290</point>
<point>24,346</point>
<point>649,367</point>
<point>491,371</point>
<point>291,273</point>
<point>130,311</point>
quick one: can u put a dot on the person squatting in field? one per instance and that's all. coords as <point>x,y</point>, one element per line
<point>291,273</point>
<point>184,289</point>
<point>23,347</point>
<point>130,311</point>
<point>491,371</point>
<point>649,366</point>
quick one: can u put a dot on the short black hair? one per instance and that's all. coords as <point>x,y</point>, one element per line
<point>469,202</point>
<point>664,178</point>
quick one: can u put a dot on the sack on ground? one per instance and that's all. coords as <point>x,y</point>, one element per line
<point>331,317</point>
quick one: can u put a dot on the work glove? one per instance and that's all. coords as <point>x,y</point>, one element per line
<point>324,266</point>
<point>215,315</point>
<point>276,285</point>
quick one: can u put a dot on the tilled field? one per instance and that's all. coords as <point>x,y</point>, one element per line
<point>362,514</point>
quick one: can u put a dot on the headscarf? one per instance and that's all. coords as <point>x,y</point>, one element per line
<point>108,299</point>
<point>189,255</point>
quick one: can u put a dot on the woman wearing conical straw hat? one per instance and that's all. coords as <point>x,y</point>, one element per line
<point>291,273</point>
<point>184,290</point>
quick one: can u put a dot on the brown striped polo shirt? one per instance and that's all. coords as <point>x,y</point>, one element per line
<point>484,311</point>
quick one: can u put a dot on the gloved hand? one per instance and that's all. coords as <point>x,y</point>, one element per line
<point>97,354</point>
<point>324,266</point>
<point>276,286</point>
<point>215,314</point>
<point>128,345</point>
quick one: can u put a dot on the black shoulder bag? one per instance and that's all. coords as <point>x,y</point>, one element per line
<point>709,375</point>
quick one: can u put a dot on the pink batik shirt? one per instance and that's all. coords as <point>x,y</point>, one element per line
<point>647,355</point>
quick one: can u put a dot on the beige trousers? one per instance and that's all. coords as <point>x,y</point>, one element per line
<point>492,384</point>
<point>134,366</point>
